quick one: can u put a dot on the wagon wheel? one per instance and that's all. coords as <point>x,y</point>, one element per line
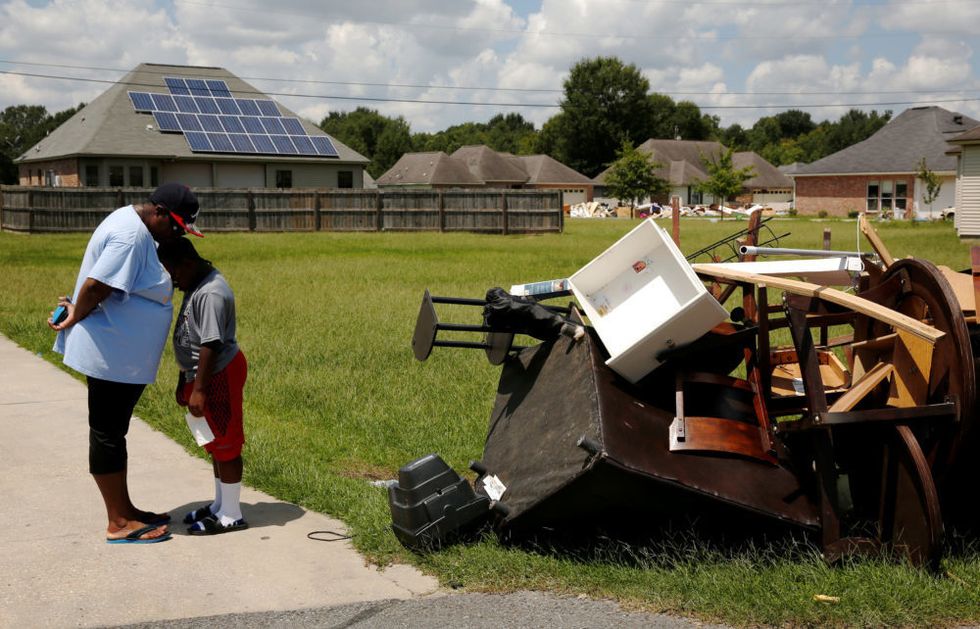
<point>911,521</point>
<point>929,298</point>
<point>895,484</point>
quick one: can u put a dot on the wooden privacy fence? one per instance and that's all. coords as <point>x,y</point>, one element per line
<point>30,209</point>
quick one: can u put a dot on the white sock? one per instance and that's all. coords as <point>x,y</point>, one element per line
<point>216,505</point>
<point>231,508</point>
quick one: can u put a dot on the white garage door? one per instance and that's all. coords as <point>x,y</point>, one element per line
<point>573,196</point>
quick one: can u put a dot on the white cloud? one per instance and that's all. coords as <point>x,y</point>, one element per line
<point>716,50</point>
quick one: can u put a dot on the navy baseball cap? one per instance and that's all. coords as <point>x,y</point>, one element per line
<point>178,199</point>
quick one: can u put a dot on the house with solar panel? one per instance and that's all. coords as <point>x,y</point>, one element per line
<point>200,126</point>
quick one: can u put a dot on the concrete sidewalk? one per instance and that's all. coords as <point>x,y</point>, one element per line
<point>57,571</point>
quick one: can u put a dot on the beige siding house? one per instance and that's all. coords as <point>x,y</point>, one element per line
<point>967,152</point>
<point>682,164</point>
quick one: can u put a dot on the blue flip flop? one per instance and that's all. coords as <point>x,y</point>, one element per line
<point>134,537</point>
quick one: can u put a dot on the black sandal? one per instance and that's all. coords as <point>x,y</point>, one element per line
<point>198,514</point>
<point>211,525</point>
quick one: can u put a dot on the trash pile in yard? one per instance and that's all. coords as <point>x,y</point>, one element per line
<point>647,400</point>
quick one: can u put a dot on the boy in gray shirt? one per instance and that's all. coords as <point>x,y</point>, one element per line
<point>212,377</point>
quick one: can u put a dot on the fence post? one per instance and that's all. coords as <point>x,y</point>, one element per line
<point>316,210</point>
<point>826,238</point>
<point>675,219</point>
<point>442,212</point>
<point>250,203</point>
<point>379,224</point>
<point>561,212</point>
<point>1,208</point>
<point>503,210</point>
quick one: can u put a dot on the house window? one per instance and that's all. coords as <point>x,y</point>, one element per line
<point>92,175</point>
<point>901,195</point>
<point>887,195</point>
<point>136,176</point>
<point>345,179</point>
<point>284,179</point>
<point>154,177</point>
<point>694,196</point>
<point>874,189</point>
<point>49,178</point>
<point>116,179</point>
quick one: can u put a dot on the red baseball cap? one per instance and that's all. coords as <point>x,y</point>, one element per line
<point>178,199</point>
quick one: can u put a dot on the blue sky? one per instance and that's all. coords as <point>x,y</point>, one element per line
<point>738,59</point>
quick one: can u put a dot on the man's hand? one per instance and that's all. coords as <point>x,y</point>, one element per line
<point>197,402</point>
<point>67,321</point>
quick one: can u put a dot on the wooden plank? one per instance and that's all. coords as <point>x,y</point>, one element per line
<point>869,308</point>
<point>859,390</point>
<point>975,267</point>
<point>963,287</point>
<point>716,434</point>
<point>912,359</point>
<point>872,235</point>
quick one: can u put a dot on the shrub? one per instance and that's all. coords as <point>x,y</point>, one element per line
<point>822,214</point>
<point>853,214</point>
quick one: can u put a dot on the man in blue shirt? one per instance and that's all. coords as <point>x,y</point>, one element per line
<point>114,333</point>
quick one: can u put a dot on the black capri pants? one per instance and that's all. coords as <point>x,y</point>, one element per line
<point>110,407</point>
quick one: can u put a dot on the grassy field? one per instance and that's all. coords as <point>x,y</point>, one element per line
<point>335,399</point>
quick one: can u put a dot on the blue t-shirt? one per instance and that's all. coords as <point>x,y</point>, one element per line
<point>122,339</point>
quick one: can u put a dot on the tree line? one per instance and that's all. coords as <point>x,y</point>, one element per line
<point>604,103</point>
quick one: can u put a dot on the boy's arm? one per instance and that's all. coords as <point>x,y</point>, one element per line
<point>179,391</point>
<point>199,398</point>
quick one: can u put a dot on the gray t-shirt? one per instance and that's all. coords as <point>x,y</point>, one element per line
<point>207,314</point>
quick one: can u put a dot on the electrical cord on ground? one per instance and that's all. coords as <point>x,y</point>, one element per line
<point>336,537</point>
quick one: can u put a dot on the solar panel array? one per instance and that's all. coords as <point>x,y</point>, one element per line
<point>213,120</point>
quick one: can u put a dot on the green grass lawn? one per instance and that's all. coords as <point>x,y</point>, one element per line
<point>335,399</point>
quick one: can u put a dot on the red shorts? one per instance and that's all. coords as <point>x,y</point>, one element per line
<point>224,409</point>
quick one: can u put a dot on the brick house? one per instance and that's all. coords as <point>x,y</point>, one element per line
<point>118,140</point>
<point>880,173</point>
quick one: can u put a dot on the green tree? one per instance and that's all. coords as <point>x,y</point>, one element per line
<point>605,102</point>
<point>933,182</point>
<point>724,180</point>
<point>21,127</point>
<point>853,127</point>
<point>379,138</point>
<point>632,177</point>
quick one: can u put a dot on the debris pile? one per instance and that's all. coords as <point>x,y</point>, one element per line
<point>863,431</point>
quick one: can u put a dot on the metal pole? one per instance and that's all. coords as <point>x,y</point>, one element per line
<point>817,253</point>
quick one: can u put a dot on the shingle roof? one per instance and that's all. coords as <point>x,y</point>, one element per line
<point>968,137</point>
<point>899,145</point>
<point>479,165</point>
<point>681,173</point>
<point>766,175</point>
<point>109,126</point>
<point>435,168</point>
<point>682,163</point>
<point>546,169</point>
<point>488,165</point>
